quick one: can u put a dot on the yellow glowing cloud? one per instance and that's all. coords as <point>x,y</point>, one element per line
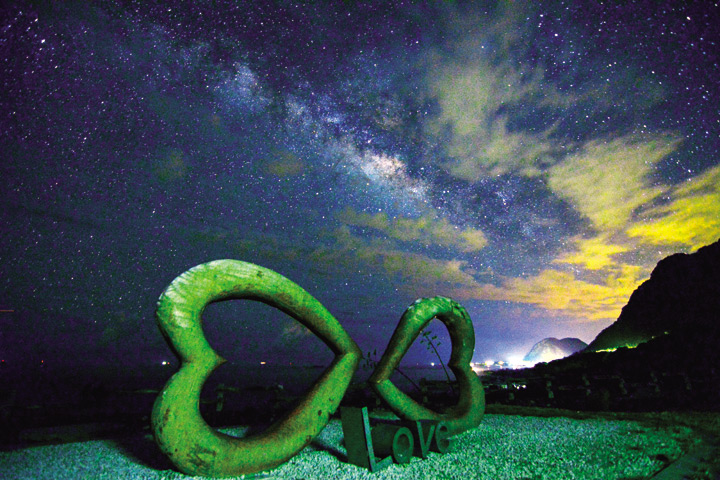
<point>562,291</point>
<point>472,240</point>
<point>691,218</point>
<point>594,253</point>
<point>428,229</point>
<point>608,181</point>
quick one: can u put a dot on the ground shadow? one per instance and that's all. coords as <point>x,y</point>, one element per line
<point>142,449</point>
<point>342,457</point>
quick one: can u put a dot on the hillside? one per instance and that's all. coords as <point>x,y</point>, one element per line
<point>683,292</point>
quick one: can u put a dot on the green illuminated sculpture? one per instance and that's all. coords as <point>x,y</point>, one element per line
<point>198,449</point>
<point>470,408</point>
<point>179,429</point>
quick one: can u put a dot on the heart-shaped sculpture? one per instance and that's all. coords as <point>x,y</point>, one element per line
<point>470,408</point>
<point>179,429</point>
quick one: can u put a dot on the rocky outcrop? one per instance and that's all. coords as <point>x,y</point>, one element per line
<point>550,349</point>
<point>682,294</point>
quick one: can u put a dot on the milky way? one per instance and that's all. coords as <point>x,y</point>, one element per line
<point>532,162</point>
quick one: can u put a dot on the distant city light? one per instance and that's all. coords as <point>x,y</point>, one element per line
<point>518,361</point>
<point>432,364</point>
<point>262,363</point>
<point>515,360</point>
<point>512,363</point>
<point>165,362</point>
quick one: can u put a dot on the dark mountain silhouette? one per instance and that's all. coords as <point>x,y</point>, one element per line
<point>549,349</point>
<point>683,293</point>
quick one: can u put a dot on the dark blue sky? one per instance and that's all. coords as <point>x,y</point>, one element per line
<point>533,162</point>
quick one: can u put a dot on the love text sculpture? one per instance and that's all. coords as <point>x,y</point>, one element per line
<point>198,449</point>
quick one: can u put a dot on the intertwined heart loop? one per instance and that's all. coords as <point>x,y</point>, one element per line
<point>197,449</point>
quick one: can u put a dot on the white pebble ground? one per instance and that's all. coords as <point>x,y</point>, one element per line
<point>502,447</point>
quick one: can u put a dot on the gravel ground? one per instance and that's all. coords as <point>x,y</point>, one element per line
<point>502,447</point>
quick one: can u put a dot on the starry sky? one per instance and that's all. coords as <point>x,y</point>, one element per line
<point>531,160</point>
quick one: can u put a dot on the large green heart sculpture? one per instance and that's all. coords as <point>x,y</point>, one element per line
<point>179,429</point>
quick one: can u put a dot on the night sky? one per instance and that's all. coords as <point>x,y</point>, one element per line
<point>532,161</point>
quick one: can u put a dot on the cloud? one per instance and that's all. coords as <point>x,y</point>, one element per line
<point>475,84</point>
<point>690,218</point>
<point>594,253</point>
<point>470,96</point>
<point>495,150</point>
<point>172,167</point>
<point>284,163</point>
<point>423,271</point>
<point>501,111</point>
<point>411,272</point>
<point>608,180</point>
<point>562,291</point>
<point>635,221</point>
<point>429,229</point>
<point>482,93</point>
